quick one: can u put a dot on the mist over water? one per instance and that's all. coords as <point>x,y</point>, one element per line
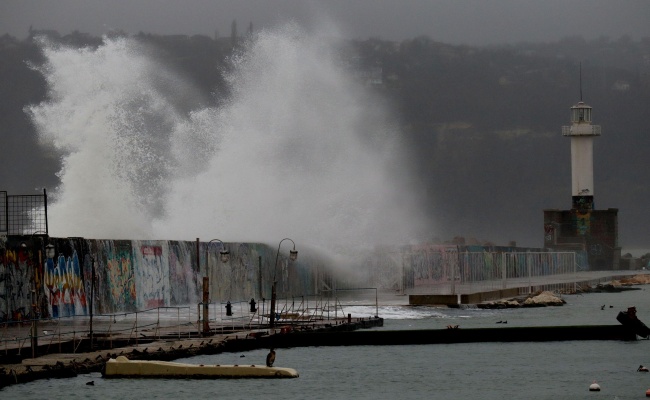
<point>300,149</point>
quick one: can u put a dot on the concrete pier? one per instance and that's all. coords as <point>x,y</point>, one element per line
<point>482,291</point>
<point>71,353</point>
<point>341,333</point>
<point>150,347</point>
<point>447,336</point>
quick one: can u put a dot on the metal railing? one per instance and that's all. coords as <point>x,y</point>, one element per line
<point>487,271</point>
<point>23,214</point>
<point>300,312</point>
<point>583,130</point>
<point>68,334</point>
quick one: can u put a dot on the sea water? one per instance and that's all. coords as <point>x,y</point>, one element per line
<point>300,147</point>
<point>548,370</point>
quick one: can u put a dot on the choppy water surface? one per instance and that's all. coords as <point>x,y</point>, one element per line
<point>557,370</point>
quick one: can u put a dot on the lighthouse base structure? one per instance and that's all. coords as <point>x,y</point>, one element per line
<point>593,231</point>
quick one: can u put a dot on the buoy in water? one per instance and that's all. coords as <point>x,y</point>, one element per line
<point>594,387</point>
<point>647,393</point>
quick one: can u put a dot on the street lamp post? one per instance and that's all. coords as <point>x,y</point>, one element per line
<point>34,296</point>
<point>92,296</point>
<point>293,255</point>
<point>225,257</point>
<point>3,261</point>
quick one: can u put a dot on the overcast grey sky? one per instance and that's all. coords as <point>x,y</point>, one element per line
<point>474,22</point>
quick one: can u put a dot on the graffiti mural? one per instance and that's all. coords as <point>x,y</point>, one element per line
<point>64,287</point>
<point>583,223</point>
<point>120,275</point>
<point>246,265</point>
<point>117,277</point>
<point>152,275</point>
<point>15,271</point>
<point>184,275</point>
<point>433,264</point>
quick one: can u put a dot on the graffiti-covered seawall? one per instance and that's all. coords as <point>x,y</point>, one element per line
<point>51,277</point>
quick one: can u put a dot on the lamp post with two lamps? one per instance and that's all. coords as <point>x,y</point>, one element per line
<point>225,257</point>
<point>293,255</point>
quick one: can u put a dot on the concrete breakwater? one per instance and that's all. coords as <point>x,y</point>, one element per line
<point>510,297</point>
<point>327,334</point>
<point>66,365</point>
<point>457,335</point>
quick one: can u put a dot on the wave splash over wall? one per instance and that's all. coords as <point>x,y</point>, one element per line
<point>299,149</point>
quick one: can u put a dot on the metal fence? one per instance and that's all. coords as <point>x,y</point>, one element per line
<point>75,334</point>
<point>50,334</point>
<point>4,225</point>
<point>472,272</point>
<point>23,214</point>
<point>293,310</point>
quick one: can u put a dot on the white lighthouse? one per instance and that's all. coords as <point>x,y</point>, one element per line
<point>582,134</point>
<point>590,232</point>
